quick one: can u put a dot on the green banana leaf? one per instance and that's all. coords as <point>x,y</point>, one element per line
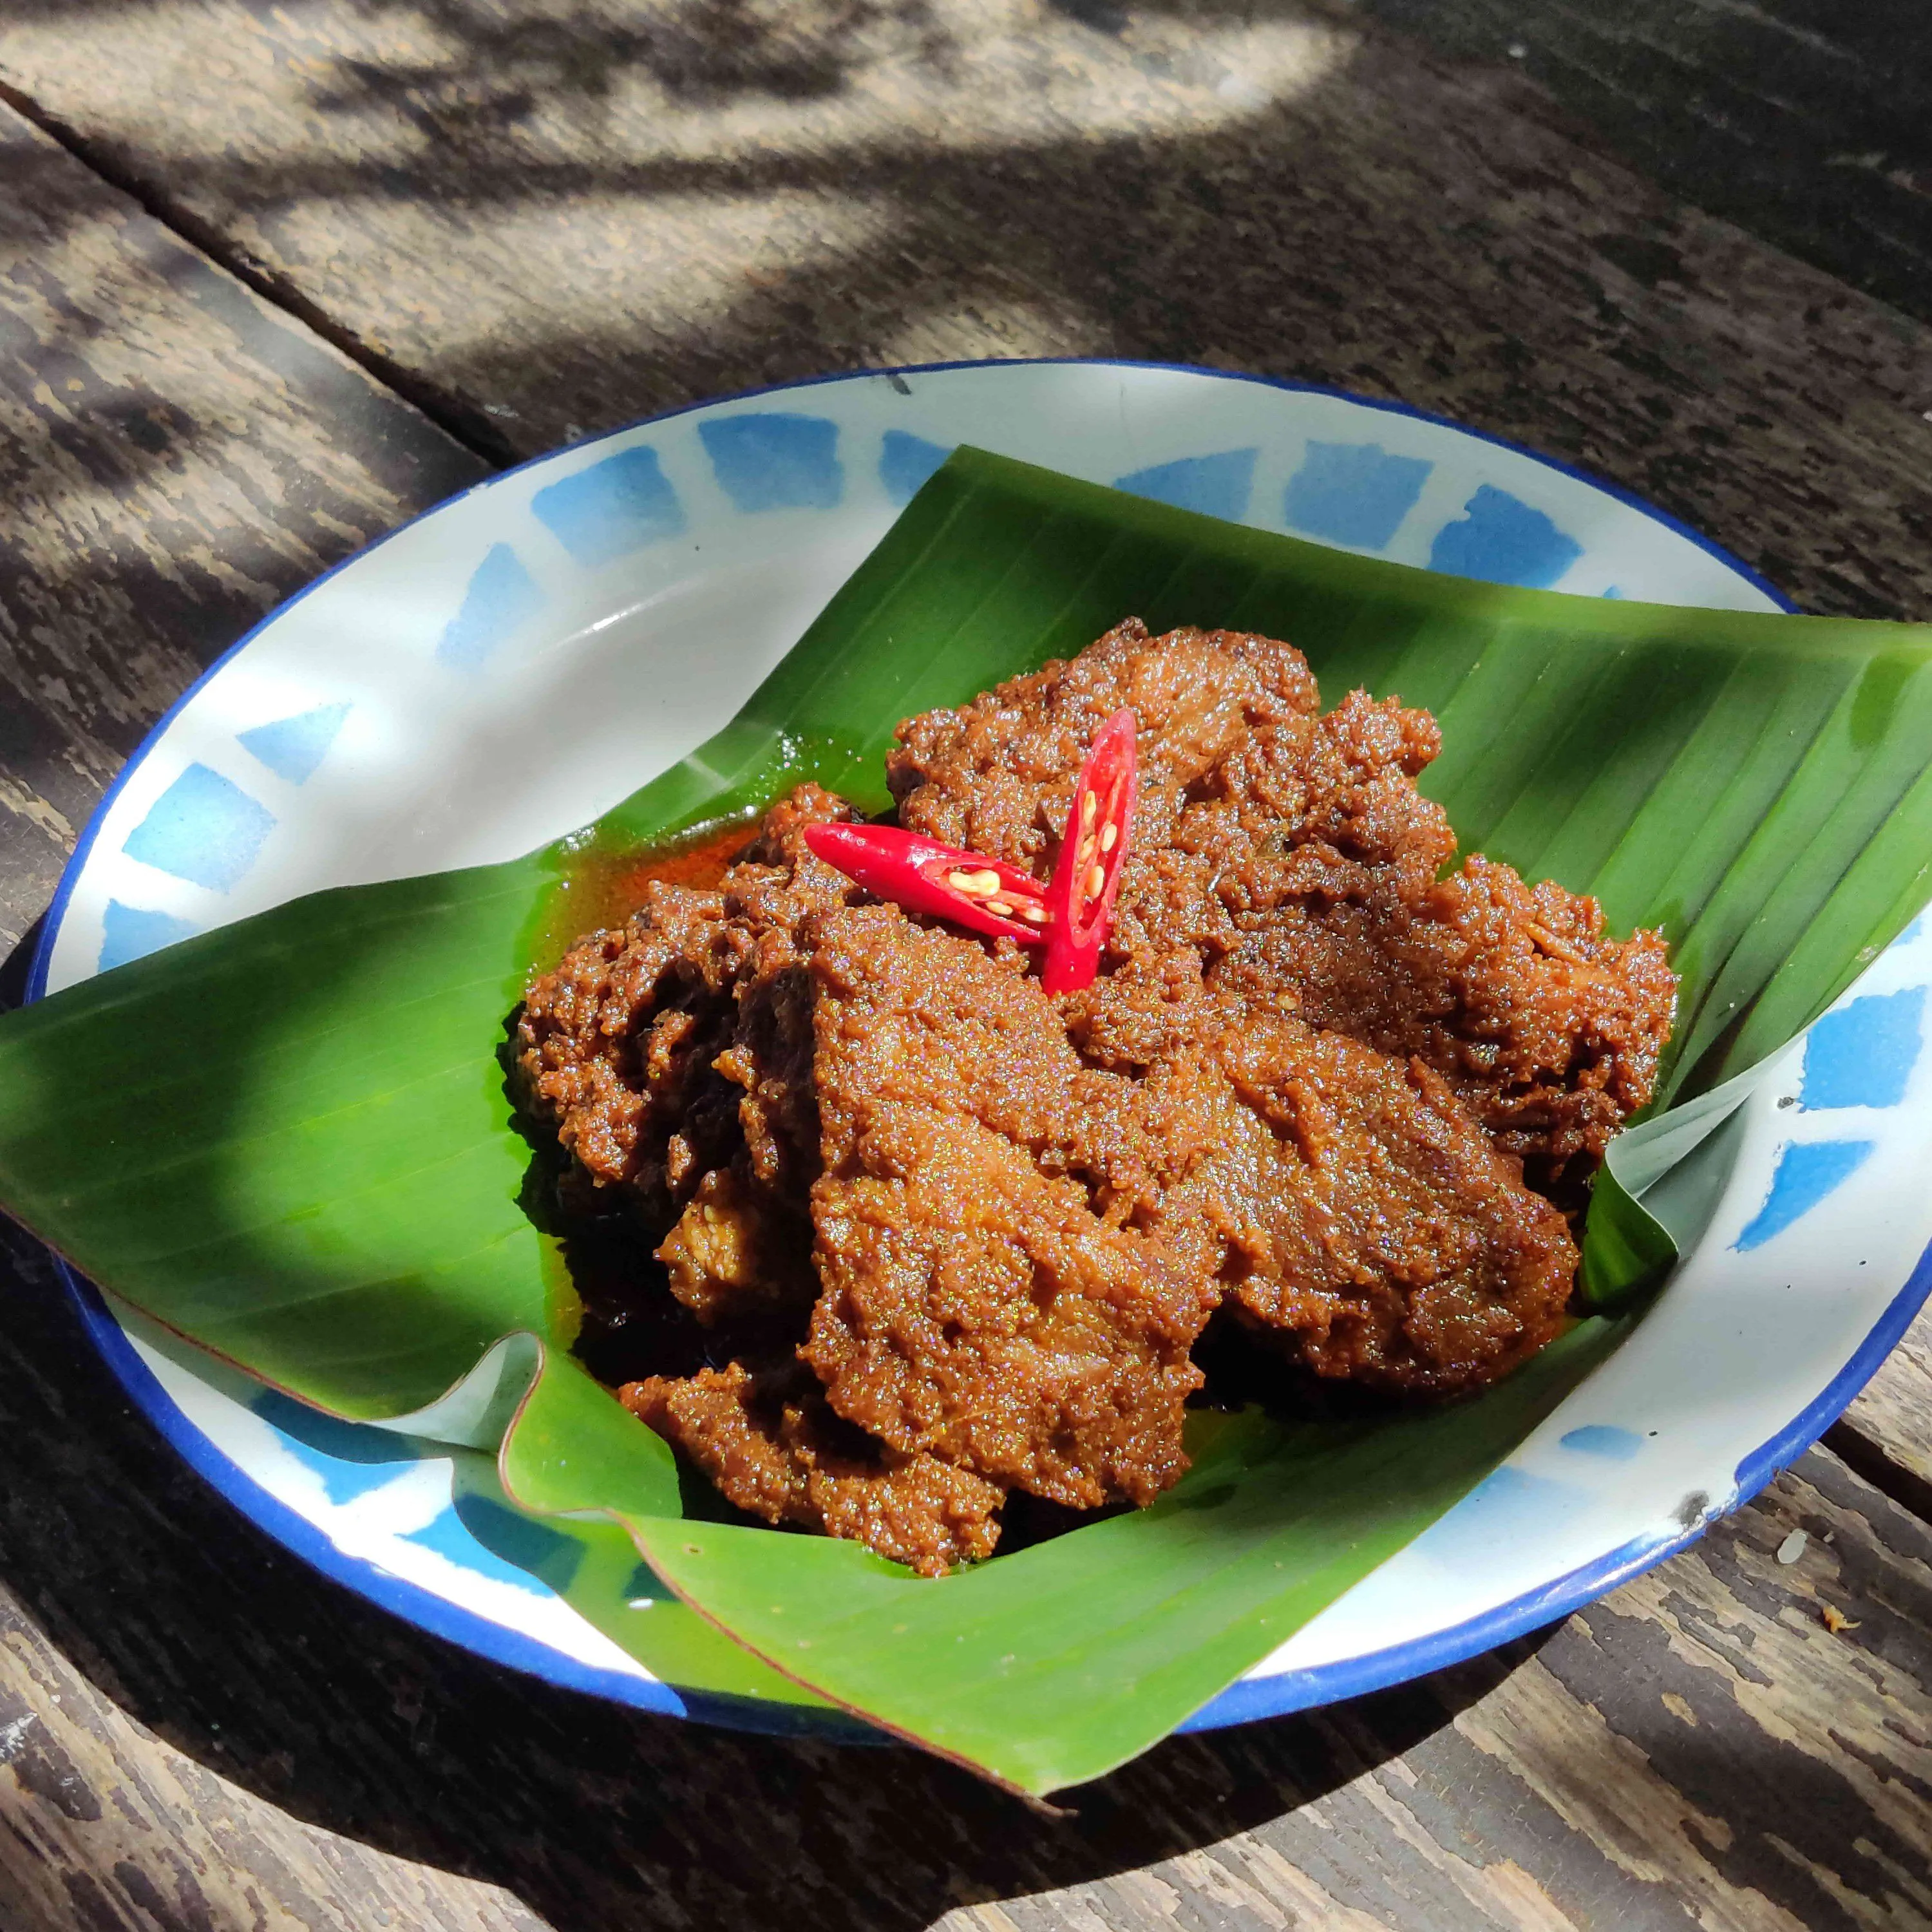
<point>289,1142</point>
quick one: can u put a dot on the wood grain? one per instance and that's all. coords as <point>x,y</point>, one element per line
<point>175,457</point>
<point>178,1695</point>
<point>1811,126</point>
<point>550,216</point>
<point>560,218</point>
<point>1887,1432</point>
<point>107,1826</point>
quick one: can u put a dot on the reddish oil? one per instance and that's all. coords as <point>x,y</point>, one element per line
<point>601,886</point>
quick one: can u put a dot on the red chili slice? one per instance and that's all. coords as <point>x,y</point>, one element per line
<point>970,890</point>
<point>1080,895</point>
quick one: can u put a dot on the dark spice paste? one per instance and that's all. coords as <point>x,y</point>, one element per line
<point>944,1236</point>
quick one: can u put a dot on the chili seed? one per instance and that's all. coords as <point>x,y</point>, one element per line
<point>1000,906</point>
<point>1096,879</point>
<point>978,883</point>
<point>1109,837</point>
<point>1088,806</point>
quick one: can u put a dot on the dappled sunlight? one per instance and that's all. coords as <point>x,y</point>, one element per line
<point>532,220</point>
<point>551,217</point>
<point>1010,76</point>
<point>729,194</point>
<point>173,462</point>
<point>125,358</point>
<point>682,285</point>
<point>554,86</point>
<point>996,318</point>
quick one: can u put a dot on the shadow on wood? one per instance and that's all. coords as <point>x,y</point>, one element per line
<point>189,1617</point>
<point>561,226</point>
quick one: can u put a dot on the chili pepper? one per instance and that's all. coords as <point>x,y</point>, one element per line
<point>972,890</point>
<point>1080,895</point>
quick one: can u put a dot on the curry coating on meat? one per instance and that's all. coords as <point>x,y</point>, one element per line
<point>771,1443</point>
<point>1341,1197</point>
<point>943,1236</point>
<point>1291,853</point>
<point>672,1057</point>
<point>976,1302</point>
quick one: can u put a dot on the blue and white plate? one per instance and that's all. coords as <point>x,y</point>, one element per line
<point>507,667</point>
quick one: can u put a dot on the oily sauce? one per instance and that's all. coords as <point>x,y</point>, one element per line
<point>600,885</point>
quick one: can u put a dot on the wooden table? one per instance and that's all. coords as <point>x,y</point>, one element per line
<point>273,277</point>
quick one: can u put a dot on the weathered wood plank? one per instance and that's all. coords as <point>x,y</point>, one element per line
<point>1890,1424</point>
<point>1700,1750</point>
<point>1810,125</point>
<point>175,458</point>
<point>563,219</point>
<point>105,1826</point>
<point>179,1696</point>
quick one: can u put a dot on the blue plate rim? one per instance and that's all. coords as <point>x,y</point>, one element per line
<point>1245,1702</point>
<point>37,968</point>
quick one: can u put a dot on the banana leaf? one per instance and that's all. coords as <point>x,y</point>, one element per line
<point>289,1141</point>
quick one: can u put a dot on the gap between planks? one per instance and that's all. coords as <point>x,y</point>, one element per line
<point>1895,1472</point>
<point>457,419</point>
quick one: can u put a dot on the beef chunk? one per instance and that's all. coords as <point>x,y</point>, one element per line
<point>997,775</point>
<point>772,1446</point>
<point>672,1057</point>
<point>614,1050</point>
<point>976,1303</point>
<point>1291,854</point>
<point>941,1237</point>
<point>739,1250</point>
<point>1363,1212</point>
<point>1341,1195</point>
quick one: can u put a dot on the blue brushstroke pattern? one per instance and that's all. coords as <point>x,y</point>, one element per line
<point>130,933</point>
<point>905,461</point>
<point>612,508</point>
<point>1614,591</point>
<point>531,1547</point>
<point>1353,492</point>
<point>1605,1439</point>
<point>1911,932</point>
<point>292,747</point>
<point>775,460</point>
<point>1502,540</point>
<point>449,1536</point>
<point>1506,1504</point>
<point>502,597</point>
<point>1863,1055</point>
<point>1217,486</point>
<point>204,829</point>
<point>351,1458</point>
<point>1807,1172</point>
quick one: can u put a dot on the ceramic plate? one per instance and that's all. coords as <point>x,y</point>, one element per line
<point>509,666</point>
